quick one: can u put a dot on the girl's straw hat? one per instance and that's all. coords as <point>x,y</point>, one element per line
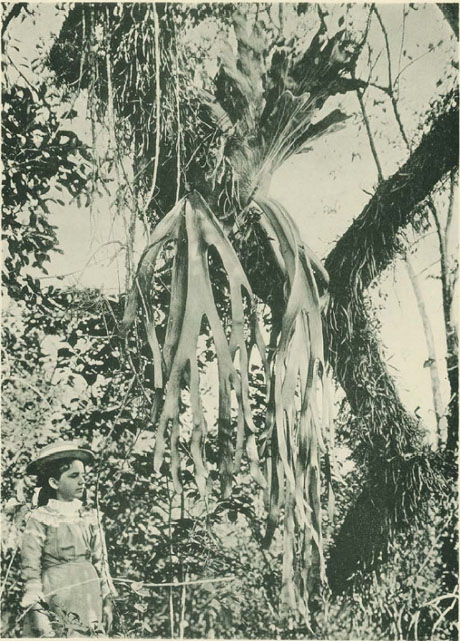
<point>56,451</point>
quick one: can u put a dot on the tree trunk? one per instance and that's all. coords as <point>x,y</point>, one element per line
<point>448,275</point>
<point>390,439</point>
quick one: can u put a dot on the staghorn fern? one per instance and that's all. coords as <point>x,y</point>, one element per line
<point>262,110</point>
<point>266,104</point>
<point>292,441</point>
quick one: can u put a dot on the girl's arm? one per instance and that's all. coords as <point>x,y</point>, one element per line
<point>33,541</point>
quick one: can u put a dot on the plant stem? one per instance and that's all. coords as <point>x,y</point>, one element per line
<point>157,114</point>
<point>114,148</point>
<point>183,578</point>
<point>390,79</point>
<point>171,599</point>
<point>370,136</point>
<point>434,372</point>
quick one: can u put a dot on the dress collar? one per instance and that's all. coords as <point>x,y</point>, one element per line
<point>66,508</point>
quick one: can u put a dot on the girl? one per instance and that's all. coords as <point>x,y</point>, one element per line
<point>63,550</point>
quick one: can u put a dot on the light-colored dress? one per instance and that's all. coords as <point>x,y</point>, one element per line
<point>64,564</point>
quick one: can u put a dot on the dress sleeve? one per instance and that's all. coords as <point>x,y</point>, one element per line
<point>32,544</point>
<point>99,559</point>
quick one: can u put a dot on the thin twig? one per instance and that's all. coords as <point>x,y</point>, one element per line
<point>390,79</point>
<point>171,598</point>
<point>183,576</point>
<point>179,130</point>
<point>403,34</point>
<point>387,44</point>
<point>113,146</point>
<point>157,116</point>
<point>450,210</point>
<point>369,134</point>
<point>409,64</point>
<point>176,584</point>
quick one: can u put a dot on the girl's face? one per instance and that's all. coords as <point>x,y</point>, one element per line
<point>71,483</point>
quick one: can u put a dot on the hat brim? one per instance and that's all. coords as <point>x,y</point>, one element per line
<point>85,456</point>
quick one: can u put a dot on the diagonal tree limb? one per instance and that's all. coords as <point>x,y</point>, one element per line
<point>392,207</point>
<point>450,12</point>
<point>399,471</point>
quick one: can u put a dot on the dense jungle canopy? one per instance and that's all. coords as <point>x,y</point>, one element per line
<point>207,211</point>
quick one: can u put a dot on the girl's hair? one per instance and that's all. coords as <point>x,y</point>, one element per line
<point>52,471</point>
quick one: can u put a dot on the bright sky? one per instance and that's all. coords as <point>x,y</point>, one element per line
<point>324,189</point>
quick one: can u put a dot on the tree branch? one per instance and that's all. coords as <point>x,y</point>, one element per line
<point>397,197</point>
<point>432,361</point>
<point>391,92</point>
<point>450,12</point>
<point>369,134</point>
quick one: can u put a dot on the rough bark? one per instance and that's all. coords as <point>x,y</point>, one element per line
<point>399,472</point>
<point>392,208</point>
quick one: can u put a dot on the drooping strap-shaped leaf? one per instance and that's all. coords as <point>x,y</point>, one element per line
<point>294,376</point>
<point>195,229</point>
<point>295,420</point>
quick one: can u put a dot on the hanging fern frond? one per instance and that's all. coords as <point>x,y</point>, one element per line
<point>195,229</point>
<point>294,427</point>
<point>292,442</point>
